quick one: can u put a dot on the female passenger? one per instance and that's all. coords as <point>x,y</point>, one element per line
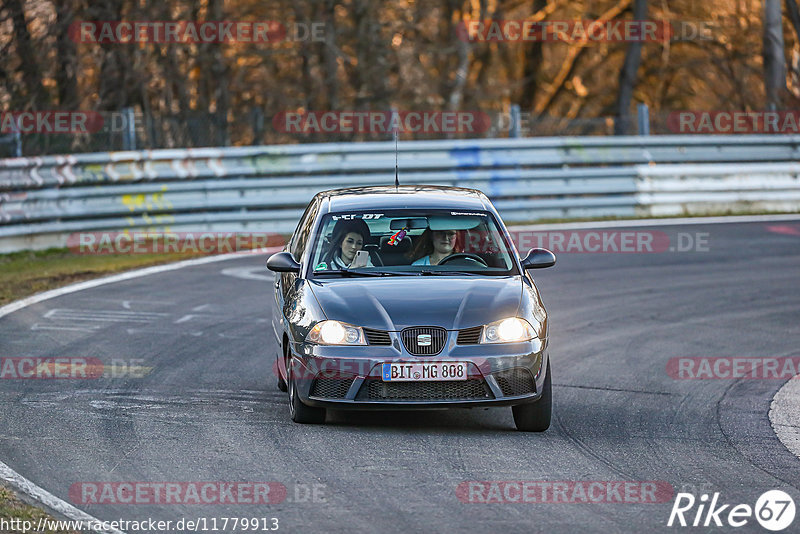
<point>434,245</point>
<point>349,236</point>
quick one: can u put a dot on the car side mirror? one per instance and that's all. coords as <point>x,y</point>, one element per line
<point>283,262</point>
<point>539,258</point>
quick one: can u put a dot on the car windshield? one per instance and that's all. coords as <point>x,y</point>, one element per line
<point>411,242</point>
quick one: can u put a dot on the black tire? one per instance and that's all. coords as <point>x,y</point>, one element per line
<point>535,417</point>
<point>299,412</point>
<point>282,383</point>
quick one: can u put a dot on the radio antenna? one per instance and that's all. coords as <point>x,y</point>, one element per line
<point>396,166</point>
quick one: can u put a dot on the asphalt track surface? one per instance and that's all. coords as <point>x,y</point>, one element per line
<point>209,410</point>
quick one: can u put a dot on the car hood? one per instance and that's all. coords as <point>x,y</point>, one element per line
<point>396,303</point>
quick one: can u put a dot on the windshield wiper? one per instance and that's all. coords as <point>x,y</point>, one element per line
<point>355,273</point>
<point>426,272</point>
<point>348,272</point>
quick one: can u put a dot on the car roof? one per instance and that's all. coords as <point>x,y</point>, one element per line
<point>405,196</point>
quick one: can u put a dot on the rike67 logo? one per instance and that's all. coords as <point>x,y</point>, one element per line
<point>774,510</point>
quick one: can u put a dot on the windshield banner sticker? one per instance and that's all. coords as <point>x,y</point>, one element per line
<point>351,216</point>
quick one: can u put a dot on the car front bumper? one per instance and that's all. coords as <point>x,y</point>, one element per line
<point>349,377</point>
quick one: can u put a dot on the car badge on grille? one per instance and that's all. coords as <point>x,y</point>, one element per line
<point>424,340</point>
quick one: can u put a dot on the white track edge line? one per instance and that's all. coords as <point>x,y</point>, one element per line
<point>784,414</point>
<point>130,275</point>
<point>22,484</point>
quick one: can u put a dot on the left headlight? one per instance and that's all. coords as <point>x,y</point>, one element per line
<point>511,330</point>
<point>336,333</point>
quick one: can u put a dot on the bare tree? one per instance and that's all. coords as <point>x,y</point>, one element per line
<point>29,62</point>
<point>774,72</point>
<point>395,52</point>
<point>532,67</point>
<point>67,68</point>
<point>627,77</point>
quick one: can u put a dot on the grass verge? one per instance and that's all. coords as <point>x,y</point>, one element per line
<point>14,512</point>
<point>26,273</point>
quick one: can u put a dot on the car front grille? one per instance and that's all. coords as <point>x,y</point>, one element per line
<point>331,388</point>
<point>411,338</point>
<point>377,337</point>
<point>427,391</point>
<point>516,381</point>
<point>470,336</point>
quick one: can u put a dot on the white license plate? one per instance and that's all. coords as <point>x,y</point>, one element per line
<point>424,371</point>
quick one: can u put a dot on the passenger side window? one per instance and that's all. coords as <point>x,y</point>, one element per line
<point>298,245</point>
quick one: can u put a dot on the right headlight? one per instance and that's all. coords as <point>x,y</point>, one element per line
<point>511,330</point>
<point>336,333</point>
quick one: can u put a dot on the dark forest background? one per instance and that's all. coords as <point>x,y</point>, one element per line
<point>400,54</point>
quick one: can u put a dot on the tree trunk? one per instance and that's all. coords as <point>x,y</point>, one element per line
<point>67,68</point>
<point>31,74</point>
<point>221,75</point>
<point>532,65</point>
<point>627,77</point>
<point>774,72</point>
<point>115,63</point>
<point>329,54</point>
<point>794,16</point>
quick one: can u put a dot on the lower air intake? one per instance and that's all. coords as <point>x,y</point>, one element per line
<point>428,391</point>
<point>516,381</point>
<point>331,388</point>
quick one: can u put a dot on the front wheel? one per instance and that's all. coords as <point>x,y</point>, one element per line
<point>299,412</point>
<point>535,417</point>
<point>282,384</point>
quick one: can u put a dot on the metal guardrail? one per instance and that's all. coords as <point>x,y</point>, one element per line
<point>678,189</point>
<point>42,200</point>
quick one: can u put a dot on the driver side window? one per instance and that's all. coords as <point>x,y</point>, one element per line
<point>300,239</point>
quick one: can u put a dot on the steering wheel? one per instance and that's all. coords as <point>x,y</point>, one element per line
<point>466,256</point>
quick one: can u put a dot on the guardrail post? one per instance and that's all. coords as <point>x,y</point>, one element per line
<point>17,144</point>
<point>515,120</point>
<point>129,133</point>
<point>258,125</point>
<point>644,119</point>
